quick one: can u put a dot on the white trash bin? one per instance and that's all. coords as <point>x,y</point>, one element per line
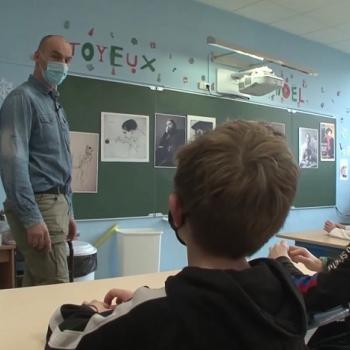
<point>138,250</point>
<point>84,260</point>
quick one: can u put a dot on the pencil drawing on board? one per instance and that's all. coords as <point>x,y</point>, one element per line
<point>84,150</point>
<point>170,134</point>
<point>124,137</point>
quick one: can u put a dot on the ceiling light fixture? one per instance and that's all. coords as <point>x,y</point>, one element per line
<point>257,55</point>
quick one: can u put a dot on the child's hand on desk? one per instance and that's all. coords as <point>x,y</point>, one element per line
<point>302,255</point>
<point>120,296</point>
<point>330,225</point>
<point>98,306</point>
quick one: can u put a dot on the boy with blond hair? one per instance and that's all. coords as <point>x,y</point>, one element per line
<point>232,191</point>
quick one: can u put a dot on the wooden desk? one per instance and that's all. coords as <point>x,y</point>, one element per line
<point>25,312</point>
<point>317,242</point>
<point>7,266</point>
<point>316,237</point>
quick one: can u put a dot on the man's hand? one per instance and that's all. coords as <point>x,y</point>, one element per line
<point>38,237</point>
<point>279,249</point>
<point>302,255</point>
<point>120,296</point>
<point>72,230</point>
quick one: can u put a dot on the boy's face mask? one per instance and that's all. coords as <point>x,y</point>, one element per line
<point>171,223</point>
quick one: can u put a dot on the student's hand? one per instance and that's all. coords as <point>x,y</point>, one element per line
<point>120,296</point>
<point>340,226</point>
<point>279,249</point>
<point>329,226</point>
<point>302,255</point>
<point>97,306</point>
<point>38,237</point>
<point>72,230</point>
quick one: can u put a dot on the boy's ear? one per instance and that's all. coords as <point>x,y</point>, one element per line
<point>175,208</point>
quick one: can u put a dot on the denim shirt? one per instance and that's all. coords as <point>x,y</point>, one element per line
<point>34,148</point>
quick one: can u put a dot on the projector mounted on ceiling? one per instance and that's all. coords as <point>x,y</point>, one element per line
<point>254,82</point>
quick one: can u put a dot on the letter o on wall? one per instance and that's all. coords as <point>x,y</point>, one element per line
<point>87,51</point>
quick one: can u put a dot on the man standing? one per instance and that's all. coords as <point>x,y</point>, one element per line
<point>170,141</point>
<point>36,166</point>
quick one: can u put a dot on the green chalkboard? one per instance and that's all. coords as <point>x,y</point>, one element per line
<point>137,189</point>
<point>317,186</point>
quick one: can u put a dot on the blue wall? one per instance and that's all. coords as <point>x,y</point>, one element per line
<point>163,42</point>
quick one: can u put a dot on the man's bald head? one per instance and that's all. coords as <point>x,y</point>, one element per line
<point>43,42</point>
<point>54,41</point>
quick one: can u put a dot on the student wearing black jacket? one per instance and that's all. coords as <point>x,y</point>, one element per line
<point>325,289</point>
<point>232,191</point>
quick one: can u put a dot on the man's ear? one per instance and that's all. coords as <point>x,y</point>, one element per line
<point>35,56</point>
<point>176,210</point>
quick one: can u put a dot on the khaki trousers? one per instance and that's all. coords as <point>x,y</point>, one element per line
<point>43,267</point>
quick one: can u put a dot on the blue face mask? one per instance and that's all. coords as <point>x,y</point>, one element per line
<point>55,73</point>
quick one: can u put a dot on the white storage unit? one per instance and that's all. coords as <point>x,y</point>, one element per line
<point>138,250</point>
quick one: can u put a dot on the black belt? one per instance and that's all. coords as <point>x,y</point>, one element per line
<point>53,190</point>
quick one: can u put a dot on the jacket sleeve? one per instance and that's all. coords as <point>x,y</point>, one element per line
<point>15,132</point>
<point>292,269</point>
<point>331,288</point>
<point>70,324</point>
<point>340,233</point>
<point>78,327</point>
<point>324,290</point>
<point>303,282</point>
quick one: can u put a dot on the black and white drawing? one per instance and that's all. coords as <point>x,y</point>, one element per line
<point>198,125</point>
<point>124,137</point>
<point>84,150</point>
<point>308,148</point>
<point>170,134</point>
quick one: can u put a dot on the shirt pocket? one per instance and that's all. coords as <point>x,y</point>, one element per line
<point>47,134</point>
<point>47,118</point>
